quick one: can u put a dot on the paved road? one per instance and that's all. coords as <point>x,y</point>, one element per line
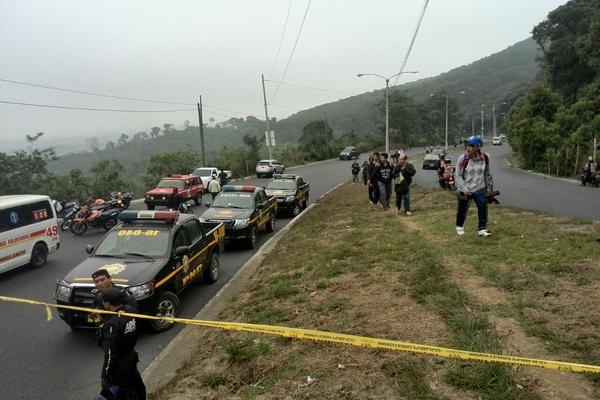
<point>47,360</point>
<point>531,191</point>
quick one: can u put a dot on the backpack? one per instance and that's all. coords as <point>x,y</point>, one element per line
<point>465,162</point>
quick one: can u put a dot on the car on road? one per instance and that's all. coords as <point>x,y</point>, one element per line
<point>173,190</point>
<point>243,210</point>
<point>431,161</point>
<point>269,168</point>
<point>291,192</point>
<point>349,153</point>
<point>28,231</point>
<point>154,255</point>
<point>206,174</point>
<point>497,141</point>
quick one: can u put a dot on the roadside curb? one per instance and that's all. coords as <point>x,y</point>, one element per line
<point>163,369</point>
<point>530,172</point>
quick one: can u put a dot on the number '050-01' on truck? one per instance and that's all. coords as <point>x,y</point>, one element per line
<point>151,255</point>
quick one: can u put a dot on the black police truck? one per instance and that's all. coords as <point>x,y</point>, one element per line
<point>153,255</point>
<point>244,210</point>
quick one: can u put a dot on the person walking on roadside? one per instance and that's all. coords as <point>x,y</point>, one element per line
<point>355,168</point>
<point>403,174</point>
<point>473,182</point>
<point>223,178</point>
<point>214,187</point>
<point>371,183</point>
<point>365,172</point>
<point>118,335</point>
<point>383,177</point>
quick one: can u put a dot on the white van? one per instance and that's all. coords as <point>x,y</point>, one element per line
<point>28,231</point>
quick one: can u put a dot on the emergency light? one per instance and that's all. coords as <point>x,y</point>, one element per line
<point>238,188</point>
<point>167,216</point>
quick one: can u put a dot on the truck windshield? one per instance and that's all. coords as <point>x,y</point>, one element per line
<point>170,183</point>
<point>147,241</point>
<point>203,172</point>
<point>234,200</point>
<point>280,184</point>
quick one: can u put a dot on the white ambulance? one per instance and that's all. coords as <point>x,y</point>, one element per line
<point>28,231</point>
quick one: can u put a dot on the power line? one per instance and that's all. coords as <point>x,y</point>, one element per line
<point>92,109</point>
<point>117,97</point>
<point>412,42</point>
<point>281,41</point>
<point>307,87</point>
<point>93,93</point>
<point>292,53</point>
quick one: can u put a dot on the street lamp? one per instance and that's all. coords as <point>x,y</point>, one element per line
<point>446,96</point>
<point>387,103</point>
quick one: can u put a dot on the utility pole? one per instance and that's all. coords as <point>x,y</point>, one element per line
<point>326,140</point>
<point>482,123</point>
<point>472,126</point>
<point>201,125</point>
<point>268,127</point>
<point>493,120</point>
<point>446,148</point>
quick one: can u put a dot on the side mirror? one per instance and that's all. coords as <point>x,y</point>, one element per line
<point>89,248</point>
<point>181,250</point>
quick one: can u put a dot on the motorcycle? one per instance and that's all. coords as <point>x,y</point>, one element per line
<point>69,215</point>
<point>104,214</point>
<point>125,198</point>
<point>590,177</point>
<point>446,176</point>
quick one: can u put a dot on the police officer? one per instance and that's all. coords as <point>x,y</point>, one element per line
<point>119,336</point>
<point>103,281</point>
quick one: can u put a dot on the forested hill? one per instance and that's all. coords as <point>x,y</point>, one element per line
<point>500,77</point>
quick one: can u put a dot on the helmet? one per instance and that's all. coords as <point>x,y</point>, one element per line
<point>474,141</point>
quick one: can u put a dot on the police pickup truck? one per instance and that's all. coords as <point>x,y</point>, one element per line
<point>153,255</point>
<point>291,192</point>
<point>244,210</point>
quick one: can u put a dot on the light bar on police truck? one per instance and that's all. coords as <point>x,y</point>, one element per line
<point>284,176</point>
<point>238,188</point>
<point>167,216</point>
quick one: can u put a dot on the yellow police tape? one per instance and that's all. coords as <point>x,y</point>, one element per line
<point>360,341</point>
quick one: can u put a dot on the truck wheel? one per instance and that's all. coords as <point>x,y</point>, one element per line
<point>251,239</point>
<point>168,305</point>
<point>39,255</point>
<point>211,272</point>
<point>150,207</point>
<point>78,227</point>
<point>271,224</point>
<point>296,210</point>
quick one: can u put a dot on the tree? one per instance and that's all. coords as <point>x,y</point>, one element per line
<point>106,178</point>
<point>110,145</point>
<point>24,171</point>
<point>122,140</point>
<point>154,132</point>
<point>140,137</point>
<point>315,138</point>
<point>253,148</point>
<point>164,164</point>
<point>32,139</point>
<point>186,124</point>
<point>167,128</point>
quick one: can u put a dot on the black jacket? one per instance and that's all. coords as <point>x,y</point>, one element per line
<point>126,297</point>
<point>119,336</point>
<point>383,173</point>
<point>408,171</point>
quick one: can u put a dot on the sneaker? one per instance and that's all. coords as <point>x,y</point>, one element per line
<point>460,230</point>
<point>484,233</point>
<point>407,213</point>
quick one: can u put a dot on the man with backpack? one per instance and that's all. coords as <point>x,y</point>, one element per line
<point>473,182</point>
<point>355,170</point>
<point>383,179</point>
<point>403,173</point>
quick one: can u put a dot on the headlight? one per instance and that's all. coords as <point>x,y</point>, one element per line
<point>289,198</point>
<point>163,197</point>
<point>63,291</point>
<point>142,291</point>
<point>241,223</point>
<point>151,197</point>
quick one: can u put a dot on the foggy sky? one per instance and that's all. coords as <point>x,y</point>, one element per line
<point>177,50</point>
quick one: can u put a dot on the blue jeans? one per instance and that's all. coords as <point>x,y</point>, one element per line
<point>403,197</point>
<point>482,208</point>
<point>384,195</point>
<point>354,178</point>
